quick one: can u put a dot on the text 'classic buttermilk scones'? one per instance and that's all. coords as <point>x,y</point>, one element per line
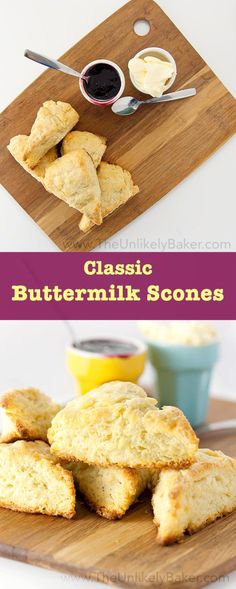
<point>188,500</point>
<point>32,480</point>
<point>26,414</point>
<point>118,424</point>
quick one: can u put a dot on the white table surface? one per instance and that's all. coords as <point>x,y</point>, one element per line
<point>203,207</point>
<point>15,574</point>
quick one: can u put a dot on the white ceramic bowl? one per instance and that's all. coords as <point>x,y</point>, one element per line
<point>103,102</point>
<point>162,54</point>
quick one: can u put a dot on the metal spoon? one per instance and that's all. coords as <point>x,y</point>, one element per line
<point>218,426</point>
<point>52,63</point>
<point>129,105</point>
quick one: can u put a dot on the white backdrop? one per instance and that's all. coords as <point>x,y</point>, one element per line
<point>203,207</point>
<point>33,354</point>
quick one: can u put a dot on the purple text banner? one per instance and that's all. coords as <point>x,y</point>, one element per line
<point>118,286</point>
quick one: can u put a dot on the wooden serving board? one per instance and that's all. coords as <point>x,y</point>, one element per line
<point>125,552</point>
<point>160,145</point>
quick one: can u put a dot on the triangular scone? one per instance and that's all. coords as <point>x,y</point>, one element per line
<point>109,491</point>
<point>118,424</point>
<point>73,178</point>
<point>31,480</point>
<point>188,500</point>
<point>53,121</point>
<point>95,145</point>
<point>17,148</point>
<point>26,415</point>
<point>117,188</point>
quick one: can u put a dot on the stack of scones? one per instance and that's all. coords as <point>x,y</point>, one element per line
<point>110,444</point>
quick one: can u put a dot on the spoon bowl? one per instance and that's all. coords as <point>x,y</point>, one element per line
<point>127,105</point>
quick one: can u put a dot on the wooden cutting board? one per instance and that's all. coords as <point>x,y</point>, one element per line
<point>160,145</point>
<point>125,552</point>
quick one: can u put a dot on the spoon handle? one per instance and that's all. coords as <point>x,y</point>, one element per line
<point>172,96</point>
<point>219,426</point>
<point>52,63</point>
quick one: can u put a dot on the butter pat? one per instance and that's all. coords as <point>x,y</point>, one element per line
<point>150,74</point>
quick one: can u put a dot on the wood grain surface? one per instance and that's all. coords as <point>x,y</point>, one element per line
<point>125,552</point>
<point>160,145</point>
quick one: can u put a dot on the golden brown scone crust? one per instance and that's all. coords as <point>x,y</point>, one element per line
<point>117,424</point>
<point>43,164</point>
<point>109,491</point>
<point>188,500</point>
<point>53,121</point>
<point>26,414</point>
<point>17,148</point>
<point>95,145</point>
<point>31,480</point>
<point>117,188</point>
<point>73,178</point>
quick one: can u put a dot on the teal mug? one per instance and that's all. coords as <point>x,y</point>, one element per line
<point>183,375</point>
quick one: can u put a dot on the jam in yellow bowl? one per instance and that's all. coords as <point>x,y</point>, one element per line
<point>94,361</point>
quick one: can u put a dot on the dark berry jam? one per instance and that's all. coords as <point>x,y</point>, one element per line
<point>107,347</point>
<point>104,82</point>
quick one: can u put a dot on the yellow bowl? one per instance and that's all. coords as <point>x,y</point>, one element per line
<point>91,370</point>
